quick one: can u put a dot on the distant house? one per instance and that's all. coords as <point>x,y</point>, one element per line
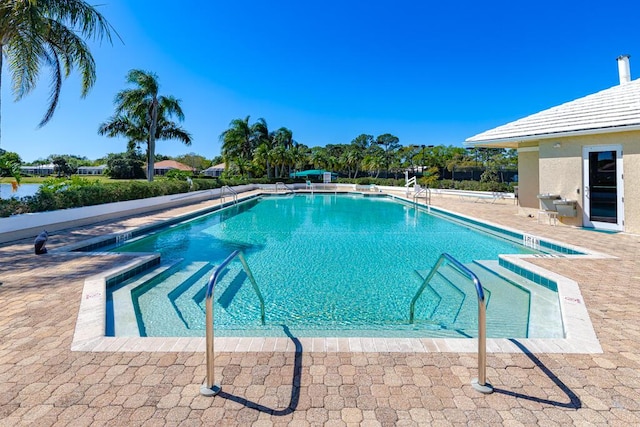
<point>92,170</point>
<point>161,168</point>
<point>214,171</point>
<point>39,170</point>
<point>578,151</point>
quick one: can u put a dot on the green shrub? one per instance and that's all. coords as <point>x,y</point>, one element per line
<point>474,185</point>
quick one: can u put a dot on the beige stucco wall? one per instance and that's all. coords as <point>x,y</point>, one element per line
<point>560,171</point>
<point>528,178</point>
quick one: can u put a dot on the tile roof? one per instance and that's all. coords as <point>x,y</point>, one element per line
<point>171,164</point>
<point>610,110</point>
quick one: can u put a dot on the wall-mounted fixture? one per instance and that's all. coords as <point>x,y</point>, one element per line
<point>557,145</point>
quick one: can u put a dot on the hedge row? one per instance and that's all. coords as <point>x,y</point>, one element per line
<point>64,194</point>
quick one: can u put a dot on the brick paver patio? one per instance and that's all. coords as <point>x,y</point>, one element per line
<point>42,382</point>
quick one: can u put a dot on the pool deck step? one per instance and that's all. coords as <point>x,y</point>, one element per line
<point>462,315</point>
<point>163,281</point>
<point>545,317</point>
<point>183,296</point>
<point>122,303</point>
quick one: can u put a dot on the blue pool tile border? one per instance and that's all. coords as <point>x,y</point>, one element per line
<point>529,275</point>
<point>128,274</point>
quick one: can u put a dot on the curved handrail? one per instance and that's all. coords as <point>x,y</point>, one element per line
<point>233,192</point>
<point>210,389</point>
<point>480,384</point>
<point>291,190</point>
<point>427,195</point>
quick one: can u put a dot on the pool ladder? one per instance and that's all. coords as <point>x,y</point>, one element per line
<point>427,195</point>
<point>286,188</point>
<point>231,191</point>
<point>479,384</point>
<point>210,388</point>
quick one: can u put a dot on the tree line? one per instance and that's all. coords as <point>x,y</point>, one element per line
<point>252,150</point>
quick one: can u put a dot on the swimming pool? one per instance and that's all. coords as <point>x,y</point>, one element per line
<point>339,264</point>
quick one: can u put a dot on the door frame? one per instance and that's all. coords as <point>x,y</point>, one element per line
<point>586,203</point>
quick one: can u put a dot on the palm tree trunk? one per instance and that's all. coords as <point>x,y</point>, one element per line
<point>152,139</point>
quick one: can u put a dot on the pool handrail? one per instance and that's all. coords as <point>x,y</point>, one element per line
<point>427,195</point>
<point>233,192</point>
<point>210,388</point>
<point>291,190</point>
<point>479,384</point>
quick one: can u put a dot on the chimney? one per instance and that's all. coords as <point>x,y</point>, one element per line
<point>624,70</point>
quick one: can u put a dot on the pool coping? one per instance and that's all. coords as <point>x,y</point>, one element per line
<point>580,336</point>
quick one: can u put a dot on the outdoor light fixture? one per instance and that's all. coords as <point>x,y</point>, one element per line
<point>557,145</point>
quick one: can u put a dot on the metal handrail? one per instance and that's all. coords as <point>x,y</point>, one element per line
<point>285,186</point>
<point>427,196</point>
<point>480,384</point>
<point>210,388</point>
<point>233,192</point>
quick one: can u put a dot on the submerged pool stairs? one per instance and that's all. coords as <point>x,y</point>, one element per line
<point>459,317</point>
<point>182,290</point>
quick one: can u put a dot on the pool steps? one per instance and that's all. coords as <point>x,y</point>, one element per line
<point>545,303</point>
<point>492,277</point>
<point>183,296</point>
<point>184,289</point>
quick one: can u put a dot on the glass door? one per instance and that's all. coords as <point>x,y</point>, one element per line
<point>603,206</point>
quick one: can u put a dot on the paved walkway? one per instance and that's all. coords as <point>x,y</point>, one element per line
<point>42,382</point>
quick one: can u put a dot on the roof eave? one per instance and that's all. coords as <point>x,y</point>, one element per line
<point>513,142</point>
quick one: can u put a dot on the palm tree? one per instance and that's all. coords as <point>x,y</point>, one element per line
<point>142,115</point>
<point>264,142</point>
<point>300,155</point>
<point>241,141</point>
<point>136,131</point>
<point>49,32</point>
<point>374,160</point>
<point>238,142</point>
<point>283,143</point>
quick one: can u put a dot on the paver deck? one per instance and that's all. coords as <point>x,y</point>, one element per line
<point>43,382</point>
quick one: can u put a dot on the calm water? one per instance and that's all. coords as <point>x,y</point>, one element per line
<point>348,264</point>
<point>6,191</point>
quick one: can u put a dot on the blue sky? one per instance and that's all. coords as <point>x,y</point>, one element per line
<point>428,72</point>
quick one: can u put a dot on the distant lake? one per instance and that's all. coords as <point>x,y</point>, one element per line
<point>24,190</point>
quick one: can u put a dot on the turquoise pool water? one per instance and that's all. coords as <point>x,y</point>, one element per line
<point>326,264</point>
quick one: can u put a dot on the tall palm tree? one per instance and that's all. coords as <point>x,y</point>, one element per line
<point>50,33</point>
<point>237,142</point>
<point>136,131</point>
<point>264,143</point>
<point>148,114</point>
<point>283,140</point>
<point>240,141</point>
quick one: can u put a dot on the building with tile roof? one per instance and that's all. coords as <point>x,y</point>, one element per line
<point>578,151</point>
<point>164,166</point>
<point>215,170</point>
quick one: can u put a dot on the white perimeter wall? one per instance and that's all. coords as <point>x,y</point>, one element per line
<point>29,225</point>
